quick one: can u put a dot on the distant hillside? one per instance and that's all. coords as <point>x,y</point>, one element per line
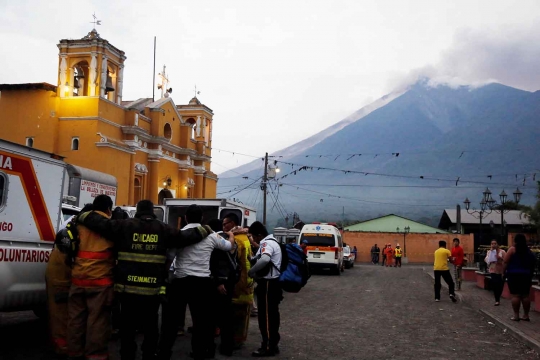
<point>308,143</point>
<point>461,135</point>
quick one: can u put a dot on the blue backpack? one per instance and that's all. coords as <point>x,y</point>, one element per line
<point>294,268</point>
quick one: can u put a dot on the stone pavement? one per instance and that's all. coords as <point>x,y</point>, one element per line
<point>483,301</point>
<point>369,312</point>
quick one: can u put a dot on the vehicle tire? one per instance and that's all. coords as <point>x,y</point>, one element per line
<point>40,312</point>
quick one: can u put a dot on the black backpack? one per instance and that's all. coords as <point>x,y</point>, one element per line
<point>67,242</point>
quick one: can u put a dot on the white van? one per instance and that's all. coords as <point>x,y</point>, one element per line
<point>324,246</point>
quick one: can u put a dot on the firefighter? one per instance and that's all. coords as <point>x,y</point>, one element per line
<point>58,282</point>
<point>91,293</point>
<point>141,244</point>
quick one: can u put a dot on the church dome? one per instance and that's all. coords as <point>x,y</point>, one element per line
<point>194,101</point>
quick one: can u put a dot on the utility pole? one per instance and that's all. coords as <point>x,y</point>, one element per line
<point>265,181</point>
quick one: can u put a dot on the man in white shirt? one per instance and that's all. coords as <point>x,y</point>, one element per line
<point>192,284</point>
<point>269,292</point>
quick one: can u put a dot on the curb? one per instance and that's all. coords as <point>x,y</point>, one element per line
<point>516,333</point>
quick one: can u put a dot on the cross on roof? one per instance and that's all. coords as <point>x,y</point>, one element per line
<point>196,92</point>
<point>164,81</point>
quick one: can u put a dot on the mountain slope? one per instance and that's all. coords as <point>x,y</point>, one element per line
<point>306,144</point>
<point>456,135</point>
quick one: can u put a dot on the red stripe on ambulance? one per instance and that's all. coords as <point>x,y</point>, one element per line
<point>24,168</point>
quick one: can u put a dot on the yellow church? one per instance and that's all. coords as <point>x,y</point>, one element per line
<point>155,149</point>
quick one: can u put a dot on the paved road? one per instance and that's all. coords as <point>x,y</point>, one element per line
<point>369,312</point>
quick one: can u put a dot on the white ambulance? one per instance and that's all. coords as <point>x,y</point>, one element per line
<point>173,211</point>
<point>33,187</point>
<point>324,246</point>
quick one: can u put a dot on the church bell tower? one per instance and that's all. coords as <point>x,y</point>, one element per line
<point>90,66</point>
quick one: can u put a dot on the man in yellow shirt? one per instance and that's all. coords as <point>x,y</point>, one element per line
<point>440,267</point>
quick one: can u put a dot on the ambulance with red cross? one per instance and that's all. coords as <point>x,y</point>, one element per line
<point>33,187</point>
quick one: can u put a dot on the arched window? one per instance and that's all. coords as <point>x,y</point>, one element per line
<point>193,123</point>
<point>167,131</point>
<point>74,143</point>
<point>164,194</point>
<point>30,141</point>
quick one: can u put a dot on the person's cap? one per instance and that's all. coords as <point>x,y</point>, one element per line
<point>304,241</point>
<point>397,245</point>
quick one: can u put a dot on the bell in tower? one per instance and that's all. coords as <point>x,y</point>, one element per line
<point>90,66</point>
<point>109,85</point>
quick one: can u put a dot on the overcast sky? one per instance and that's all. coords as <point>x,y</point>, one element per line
<point>276,72</point>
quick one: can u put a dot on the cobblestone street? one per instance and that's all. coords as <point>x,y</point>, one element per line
<point>369,312</point>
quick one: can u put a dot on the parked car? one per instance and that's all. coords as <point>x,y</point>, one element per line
<point>348,257</point>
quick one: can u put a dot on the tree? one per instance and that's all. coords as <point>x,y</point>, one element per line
<point>533,213</point>
<point>511,205</point>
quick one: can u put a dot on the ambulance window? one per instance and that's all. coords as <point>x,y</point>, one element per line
<point>319,239</point>
<point>157,211</point>
<point>3,190</point>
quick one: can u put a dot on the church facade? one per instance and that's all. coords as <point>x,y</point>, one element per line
<point>155,149</point>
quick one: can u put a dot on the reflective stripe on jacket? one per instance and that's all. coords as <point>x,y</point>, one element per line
<point>94,262</point>
<point>398,252</point>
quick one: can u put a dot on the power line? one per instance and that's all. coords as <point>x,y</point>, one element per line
<point>362,200</point>
<point>457,180</point>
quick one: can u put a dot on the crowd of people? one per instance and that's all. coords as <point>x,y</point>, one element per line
<point>390,257</point>
<point>106,266</point>
<point>516,267</point>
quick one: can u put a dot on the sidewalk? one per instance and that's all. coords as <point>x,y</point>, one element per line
<point>483,300</point>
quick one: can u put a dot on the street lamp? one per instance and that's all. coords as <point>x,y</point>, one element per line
<point>404,232</point>
<point>484,206</point>
<point>501,210</point>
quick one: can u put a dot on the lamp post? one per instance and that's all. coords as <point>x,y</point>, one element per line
<point>404,232</point>
<point>478,214</point>
<point>500,207</point>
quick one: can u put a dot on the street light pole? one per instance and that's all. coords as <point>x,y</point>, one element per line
<point>405,232</point>
<point>265,181</point>
<point>488,203</point>
<point>502,196</point>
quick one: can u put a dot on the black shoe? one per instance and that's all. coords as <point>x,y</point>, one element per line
<point>263,353</point>
<point>453,298</point>
<point>275,349</point>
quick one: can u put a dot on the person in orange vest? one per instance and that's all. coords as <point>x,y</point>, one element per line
<point>91,293</point>
<point>58,282</point>
<point>398,252</point>
<point>389,255</point>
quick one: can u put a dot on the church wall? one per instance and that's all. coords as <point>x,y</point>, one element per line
<point>78,107</point>
<point>85,130</point>
<point>30,113</point>
<point>167,169</point>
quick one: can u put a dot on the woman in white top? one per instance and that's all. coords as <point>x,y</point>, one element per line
<point>494,259</point>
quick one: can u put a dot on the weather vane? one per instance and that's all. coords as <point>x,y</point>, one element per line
<point>96,21</point>
<point>196,92</point>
